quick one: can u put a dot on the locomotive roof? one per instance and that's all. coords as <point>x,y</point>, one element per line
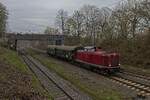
<point>62,47</point>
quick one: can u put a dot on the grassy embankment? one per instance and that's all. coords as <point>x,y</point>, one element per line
<point>96,93</point>
<point>10,57</point>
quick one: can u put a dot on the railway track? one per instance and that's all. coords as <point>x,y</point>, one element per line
<point>142,90</point>
<point>136,75</point>
<point>59,88</point>
<point>139,83</point>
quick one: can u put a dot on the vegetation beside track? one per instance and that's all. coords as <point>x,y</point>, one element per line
<point>99,93</point>
<point>23,82</point>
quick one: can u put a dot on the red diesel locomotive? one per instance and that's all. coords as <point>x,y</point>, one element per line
<point>93,57</point>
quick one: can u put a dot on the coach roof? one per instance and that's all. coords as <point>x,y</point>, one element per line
<point>62,47</point>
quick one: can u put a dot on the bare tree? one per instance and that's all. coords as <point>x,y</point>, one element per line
<point>124,22</point>
<point>61,19</point>
<point>3,19</point>
<point>120,17</point>
<point>91,14</point>
<point>133,6</point>
<point>104,22</point>
<point>70,27</point>
<point>144,13</point>
<point>51,31</point>
<point>78,19</point>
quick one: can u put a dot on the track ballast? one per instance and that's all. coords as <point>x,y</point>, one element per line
<point>61,89</point>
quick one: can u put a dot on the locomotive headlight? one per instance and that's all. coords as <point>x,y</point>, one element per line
<point>109,65</point>
<point>119,64</point>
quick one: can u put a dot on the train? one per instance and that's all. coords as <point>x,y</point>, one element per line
<point>92,57</point>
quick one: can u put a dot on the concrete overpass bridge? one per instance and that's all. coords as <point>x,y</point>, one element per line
<point>21,41</point>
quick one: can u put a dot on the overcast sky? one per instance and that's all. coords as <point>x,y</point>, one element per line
<point>35,15</point>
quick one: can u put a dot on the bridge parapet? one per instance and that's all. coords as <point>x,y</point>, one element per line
<point>20,41</point>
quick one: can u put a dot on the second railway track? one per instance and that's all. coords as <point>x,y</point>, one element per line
<point>57,86</point>
<point>136,75</point>
<point>141,89</point>
<point>139,83</point>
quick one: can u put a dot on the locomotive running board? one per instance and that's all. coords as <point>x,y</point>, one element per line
<point>94,65</point>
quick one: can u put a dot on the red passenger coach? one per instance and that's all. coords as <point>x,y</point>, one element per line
<point>98,59</point>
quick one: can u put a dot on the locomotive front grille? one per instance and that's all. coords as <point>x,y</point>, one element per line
<point>114,61</point>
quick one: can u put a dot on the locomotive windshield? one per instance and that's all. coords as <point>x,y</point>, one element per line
<point>90,48</point>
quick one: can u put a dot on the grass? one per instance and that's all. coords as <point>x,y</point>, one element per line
<point>96,94</point>
<point>12,58</point>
